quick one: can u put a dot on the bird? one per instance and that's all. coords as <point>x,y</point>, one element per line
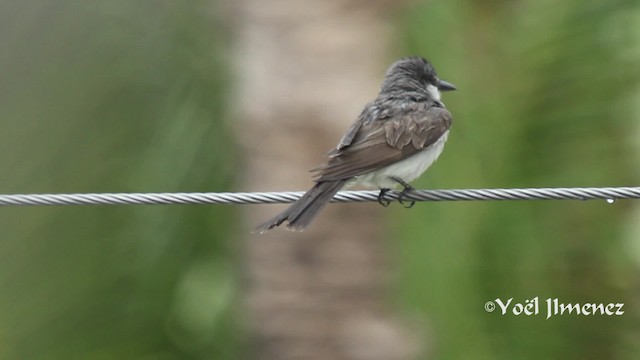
<point>393,141</point>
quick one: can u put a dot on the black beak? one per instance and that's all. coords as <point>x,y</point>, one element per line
<point>445,86</point>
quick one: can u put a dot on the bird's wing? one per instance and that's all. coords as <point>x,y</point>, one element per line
<point>381,143</point>
<point>347,139</point>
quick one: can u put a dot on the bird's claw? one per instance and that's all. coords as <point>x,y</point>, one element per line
<point>381,200</point>
<point>407,189</point>
<point>402,195</point>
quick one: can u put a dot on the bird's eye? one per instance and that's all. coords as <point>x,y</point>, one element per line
<point>430,79</point>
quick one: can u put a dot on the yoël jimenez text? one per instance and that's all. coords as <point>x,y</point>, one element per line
<point>555,307</point>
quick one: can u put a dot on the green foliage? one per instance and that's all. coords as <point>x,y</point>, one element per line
<point>114,96</point>
<point>545,99</point>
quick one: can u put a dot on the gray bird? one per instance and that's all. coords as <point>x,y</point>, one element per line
<point>393,141</point>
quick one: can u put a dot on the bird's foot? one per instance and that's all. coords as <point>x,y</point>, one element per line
<point>381,200</point>
<point>403,194</point>
<point>407,189</point>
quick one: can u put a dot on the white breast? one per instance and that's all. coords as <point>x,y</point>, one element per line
<point>407,169</point>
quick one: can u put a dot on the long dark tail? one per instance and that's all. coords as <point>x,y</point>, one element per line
<point>302,212</point>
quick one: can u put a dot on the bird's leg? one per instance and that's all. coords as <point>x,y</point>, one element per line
<point>407,189</point>
<point>381,200</point>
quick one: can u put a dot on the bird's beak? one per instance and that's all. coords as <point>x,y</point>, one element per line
<point>445,86</point>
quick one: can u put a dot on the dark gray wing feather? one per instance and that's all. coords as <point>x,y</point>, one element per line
<point>371,113</point>
<point>347,139</point>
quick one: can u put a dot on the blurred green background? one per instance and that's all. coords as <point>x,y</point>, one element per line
<point>124,96</point>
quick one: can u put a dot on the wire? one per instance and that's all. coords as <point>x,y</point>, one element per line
<point>608,193</point>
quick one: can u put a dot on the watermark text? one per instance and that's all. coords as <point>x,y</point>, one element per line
<point>552,307</point>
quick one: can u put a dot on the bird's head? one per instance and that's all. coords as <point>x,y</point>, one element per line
<point>414,74</point>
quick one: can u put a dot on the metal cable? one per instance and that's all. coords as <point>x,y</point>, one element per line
<point>608,193</point>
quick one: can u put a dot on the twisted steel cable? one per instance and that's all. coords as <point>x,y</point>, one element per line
<point>607,193</point>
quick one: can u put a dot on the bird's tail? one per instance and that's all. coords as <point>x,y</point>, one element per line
<point>302,212</point>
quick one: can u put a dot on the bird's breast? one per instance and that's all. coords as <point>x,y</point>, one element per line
<point>407,169</point>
